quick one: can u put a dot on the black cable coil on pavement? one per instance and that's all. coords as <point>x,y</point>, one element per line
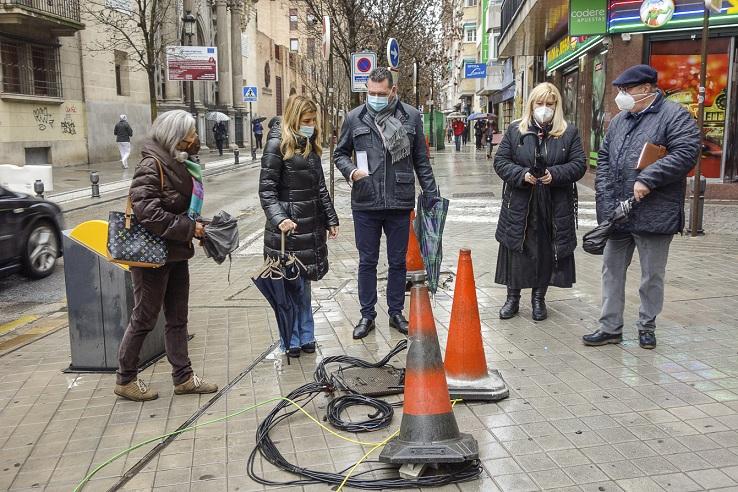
<point>303,395</point>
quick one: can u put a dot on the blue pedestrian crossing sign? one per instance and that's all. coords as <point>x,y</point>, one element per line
<point>250,94</point>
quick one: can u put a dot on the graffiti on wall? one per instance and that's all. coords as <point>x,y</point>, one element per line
<point>67,125</point>
<point>44,119</point>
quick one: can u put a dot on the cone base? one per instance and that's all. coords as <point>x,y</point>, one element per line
<point>458,450</point>
<point>488,388</point>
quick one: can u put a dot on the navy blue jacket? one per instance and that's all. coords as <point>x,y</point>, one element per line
<point>662,210</point>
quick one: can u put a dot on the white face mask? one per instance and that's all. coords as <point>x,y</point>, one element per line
<point>543,115</point>
<point>626,102</point>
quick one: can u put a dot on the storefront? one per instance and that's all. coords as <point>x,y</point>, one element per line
<point>672,46</point>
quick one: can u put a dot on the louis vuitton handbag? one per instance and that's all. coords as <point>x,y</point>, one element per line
<point>130,243</point>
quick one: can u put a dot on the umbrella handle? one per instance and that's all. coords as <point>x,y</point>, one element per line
<point>283,241</point>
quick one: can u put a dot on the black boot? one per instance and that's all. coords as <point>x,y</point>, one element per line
<point>538,301</point>
<point>512,304</point>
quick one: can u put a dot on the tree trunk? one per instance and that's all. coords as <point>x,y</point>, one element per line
<point>153,102</point>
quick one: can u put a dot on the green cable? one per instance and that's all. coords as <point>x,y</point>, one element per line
<point>87,478</point>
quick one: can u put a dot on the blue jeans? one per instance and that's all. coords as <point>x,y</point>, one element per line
<point>303,331</point>
<point>368,227</point>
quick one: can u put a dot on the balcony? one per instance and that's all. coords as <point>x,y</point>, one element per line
<point>55,17</point>
<point>528,26</point>
<point>494,80</point>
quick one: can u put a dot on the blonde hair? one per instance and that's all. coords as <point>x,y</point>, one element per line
<point>297,107</point>
<point>542,92</point>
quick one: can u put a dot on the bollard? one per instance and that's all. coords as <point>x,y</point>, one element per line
<point>38,187</point>
<point>95,182</point>
<point>253,153</point>
<point>700,205</point>
<point>235,156</point>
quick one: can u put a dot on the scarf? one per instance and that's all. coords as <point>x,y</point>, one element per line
<point>394,135</point>
<point>198,191</point>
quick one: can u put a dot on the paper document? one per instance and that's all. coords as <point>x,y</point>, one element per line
<point>361,161</point>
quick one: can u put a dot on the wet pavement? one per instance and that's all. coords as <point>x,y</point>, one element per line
<point>578,418</point>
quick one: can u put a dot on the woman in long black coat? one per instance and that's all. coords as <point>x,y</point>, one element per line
<point>296,202</point>
<point>540,159</point>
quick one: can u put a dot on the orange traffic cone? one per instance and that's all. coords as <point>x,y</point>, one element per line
<point>466,365</point>
<point>413,258</point>
<point>428,432</point>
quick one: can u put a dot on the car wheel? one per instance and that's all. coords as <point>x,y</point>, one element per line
<point>42,250</point>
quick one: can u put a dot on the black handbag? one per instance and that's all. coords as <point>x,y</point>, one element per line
<point>130,243</point>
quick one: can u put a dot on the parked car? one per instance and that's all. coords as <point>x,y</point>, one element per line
<point>30,234</point>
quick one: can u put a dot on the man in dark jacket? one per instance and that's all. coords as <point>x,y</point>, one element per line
<point>258,133</point>
<point>220,131</point>
<point>646,117</point>
<point>387,137</point>
<point>123,134</point>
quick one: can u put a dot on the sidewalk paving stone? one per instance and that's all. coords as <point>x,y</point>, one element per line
<point>578,418</point>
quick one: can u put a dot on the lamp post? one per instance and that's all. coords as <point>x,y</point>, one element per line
<point>190,27</point>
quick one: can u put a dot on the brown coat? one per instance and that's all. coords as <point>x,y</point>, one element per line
<point>164,212</point>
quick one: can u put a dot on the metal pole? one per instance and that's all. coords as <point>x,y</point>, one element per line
<point>251,132</point>
<point>694,210</point>
<point>331,99</point>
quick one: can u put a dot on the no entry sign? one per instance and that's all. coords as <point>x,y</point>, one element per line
<point>362,66</point>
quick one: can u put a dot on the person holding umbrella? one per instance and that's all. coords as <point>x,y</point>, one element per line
<point>540,159</point>
<point>296,202</point>
<point>646,117</point>
<point>458,127</point>
<point>258,131</point>
<point>220,131</point>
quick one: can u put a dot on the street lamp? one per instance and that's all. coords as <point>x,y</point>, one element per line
<point>190,28</point>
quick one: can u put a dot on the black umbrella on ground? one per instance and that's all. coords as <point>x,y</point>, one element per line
<point>595,240</point>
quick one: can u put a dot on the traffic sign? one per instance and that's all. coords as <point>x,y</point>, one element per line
<point>362,65</point>
<point>393,53</point>
<point>326,37</point>
<point>250,94</point>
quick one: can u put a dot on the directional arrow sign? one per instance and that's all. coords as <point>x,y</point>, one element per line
<point>393,53</point>
<point>250,94</point>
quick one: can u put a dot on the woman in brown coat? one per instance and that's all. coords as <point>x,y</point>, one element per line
<point>161,194</point>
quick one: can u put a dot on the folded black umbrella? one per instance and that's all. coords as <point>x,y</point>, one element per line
<point>595,240</point>
<point>221,237</point>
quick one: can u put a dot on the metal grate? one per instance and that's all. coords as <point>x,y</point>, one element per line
<point>372,381</point>
<point>31,69</point>
<point>67,9</point>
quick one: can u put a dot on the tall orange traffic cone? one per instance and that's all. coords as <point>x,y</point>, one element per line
<point>428,432</point>
<point>466,365</point>
<point>413,258</point>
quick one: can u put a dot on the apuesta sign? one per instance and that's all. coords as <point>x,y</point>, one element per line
<point>587,17</point>
<point>475,71</point>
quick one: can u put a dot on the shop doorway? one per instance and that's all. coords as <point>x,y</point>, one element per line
<point>730,163</point>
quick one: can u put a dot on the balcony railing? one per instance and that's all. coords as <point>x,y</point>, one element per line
<point>64,9</point>
<point>510,9</point>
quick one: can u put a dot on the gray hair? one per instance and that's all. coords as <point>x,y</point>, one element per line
<point>170,128</point>
<point>380,74</point>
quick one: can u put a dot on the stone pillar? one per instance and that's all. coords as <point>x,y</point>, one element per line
<point>225,96</point>
<point>236,63</point>
<point>172,92</point>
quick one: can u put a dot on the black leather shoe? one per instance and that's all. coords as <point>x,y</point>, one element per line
<point>601,338</point>
<point>647,339</point>
<point>538,302</point>
<point>309,348</point>
<point>512,304</point>
<point>399,323</point>
<point>363,328</point>
<point>294,352</point>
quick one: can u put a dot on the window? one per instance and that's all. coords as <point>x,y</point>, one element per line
<point>470,3</point>
<point>31,69</point>
<point>277,52</point>
<point>311,48</point>
<point>121,73</point>
<point>294,45</point>
<point>312,20</point>
<point>494,40</point>
<point>293,19</point>
<point>470,33</point>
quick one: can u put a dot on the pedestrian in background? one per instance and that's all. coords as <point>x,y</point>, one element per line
<point>258,133</point>
<point>537,225</point>
<point>220,131</point>
<point>162,197</point>
<point>646,116</point>
<point>449,131</point>
<point>386,137</point>
<point>489,136</point>
<point>479,133</point>
<point>123,133</point>
<point>465,134</point>
<point>296,202</point>
<point>458,133</point>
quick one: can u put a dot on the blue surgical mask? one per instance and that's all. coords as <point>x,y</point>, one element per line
<point>307,131</point>
<point>377,103</point>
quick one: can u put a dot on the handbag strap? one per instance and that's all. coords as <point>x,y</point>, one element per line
<point>129,204</point>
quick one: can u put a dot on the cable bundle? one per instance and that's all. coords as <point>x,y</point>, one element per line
<point>378,420</point>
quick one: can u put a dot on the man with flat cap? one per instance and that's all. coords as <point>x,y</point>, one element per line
<point>646,117</point>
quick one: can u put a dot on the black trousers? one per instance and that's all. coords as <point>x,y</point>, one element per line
<point>368,227</point>
<point>167,286</point>
<point>219,144</point>
<point>259,136</point>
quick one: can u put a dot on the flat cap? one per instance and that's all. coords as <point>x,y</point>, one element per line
<point>637,74</point>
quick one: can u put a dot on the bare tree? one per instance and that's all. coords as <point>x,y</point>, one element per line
<point>142,28</point>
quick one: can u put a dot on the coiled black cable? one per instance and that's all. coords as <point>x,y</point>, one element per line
<point>378,420</point>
